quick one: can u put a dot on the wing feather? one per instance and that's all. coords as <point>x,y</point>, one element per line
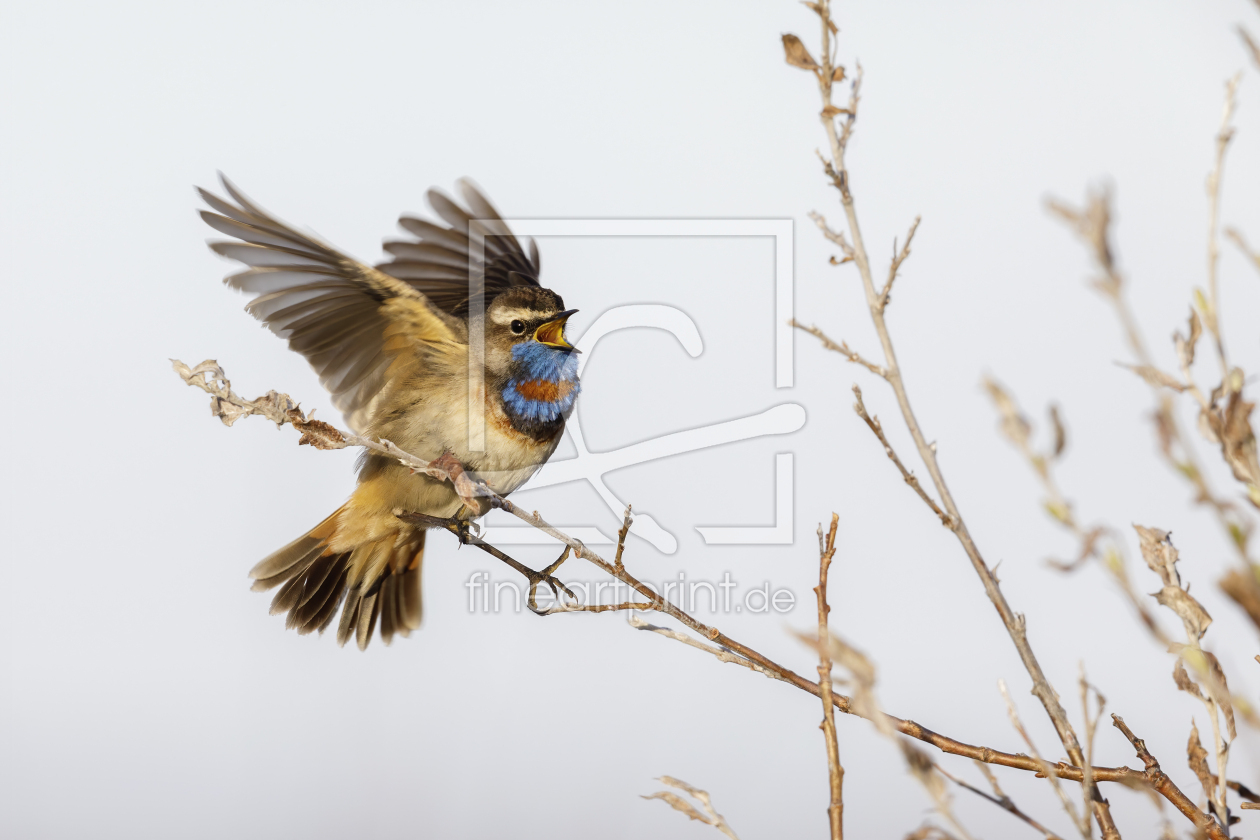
<point>475,253</point>
<point>333,310</point>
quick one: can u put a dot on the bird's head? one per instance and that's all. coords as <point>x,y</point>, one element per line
<point>529,358</point>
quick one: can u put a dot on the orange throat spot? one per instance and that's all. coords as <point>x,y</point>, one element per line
<point>543,391</point>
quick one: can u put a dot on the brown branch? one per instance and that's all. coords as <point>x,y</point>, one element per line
<point>621,539</point>
<point>909,477</point>
<point>842,348</point>
<point>898,258</point>
<point>1252,48</point>
<point>1155,778</point>
<point>1015,624</point>
<point>834,236</point>
<point>721,646</point>
<point>826,551</point>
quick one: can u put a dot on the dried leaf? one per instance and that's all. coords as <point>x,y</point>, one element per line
<point>1157,378</point>
<point>679,804</point>
<point>1013,425</point>
<point>1205,309</point>
<point>1185,345</point>
<point>833,111</point>
<point>1060,434</point>
<point>1243,590</point>
<point>796,54</point>
<point>1183,681</point>
<point>1238,441</point>
<point>837,75</point>
<point>1059,510</point>
<point>1219,687</point>
<point>861,671</point>
<point>316,433</point>
<point>1197,757</point>
<point>1159,553</point>
<point>1190,611</point>
<point>929,832</point>
<point>923,769</point>
<point>818,11</point>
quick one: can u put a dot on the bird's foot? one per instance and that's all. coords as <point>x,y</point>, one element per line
<point>554,584</point>
<point>463,529</point>
<point>472,491</point>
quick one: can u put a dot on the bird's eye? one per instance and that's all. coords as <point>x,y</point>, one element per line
<point>518,327</point>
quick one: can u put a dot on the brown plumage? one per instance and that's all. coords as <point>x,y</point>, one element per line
<point>391,345</point>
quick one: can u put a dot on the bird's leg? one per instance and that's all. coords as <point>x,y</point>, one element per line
<point>471,490</point>
<point>460,528</point>
<point>545,576</point>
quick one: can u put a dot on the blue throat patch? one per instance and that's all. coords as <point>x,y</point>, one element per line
<point>545,385</point>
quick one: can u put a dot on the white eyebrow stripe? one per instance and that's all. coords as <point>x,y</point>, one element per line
<point>507,316</point>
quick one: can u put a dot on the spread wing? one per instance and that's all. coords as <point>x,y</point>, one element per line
<point>476,253</point>
<point>353,323</point>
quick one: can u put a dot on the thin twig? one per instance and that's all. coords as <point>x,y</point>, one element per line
<point>1233,235</point>
<point>835,810</point>
<point>997,797</point>
<point>281,409</point>
<point>1156,779</point>
<point>874,425</point>
<point>842,348</point>
<point>1223,137</point>
<point>1097,541</point>
<point>1015,624</point>
<point>1082,824</point>
<point>898,258</point>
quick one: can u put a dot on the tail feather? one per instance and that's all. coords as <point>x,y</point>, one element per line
<point>283,565</point>
<point>349,620</point>
<point>389,612</point>
<point>368,611</point>
<point>311,612</point>
<point>378,579</point>
<point>321,619</point>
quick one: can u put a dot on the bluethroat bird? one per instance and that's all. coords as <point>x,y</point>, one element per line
<point>391,344</point>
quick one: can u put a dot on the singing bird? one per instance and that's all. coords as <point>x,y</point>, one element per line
<point>391,344</point>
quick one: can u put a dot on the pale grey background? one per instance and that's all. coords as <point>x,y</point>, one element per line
<point>145,691</point>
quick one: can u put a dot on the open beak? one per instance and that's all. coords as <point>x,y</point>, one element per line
<point>552,332</point>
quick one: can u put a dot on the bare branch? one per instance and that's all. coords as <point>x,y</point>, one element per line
<point>1156,779</point>
<point>1252,48</point>
<point>721,654</point>
<point>1233,235</point>
<point>898,258</point>
<point>998,797</point>
<point>948,510</point>
<point>722,647</point>
<point>1080,822</point>
<point>835,810</point>
<point>842,348</point>
<point>874,425</point>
